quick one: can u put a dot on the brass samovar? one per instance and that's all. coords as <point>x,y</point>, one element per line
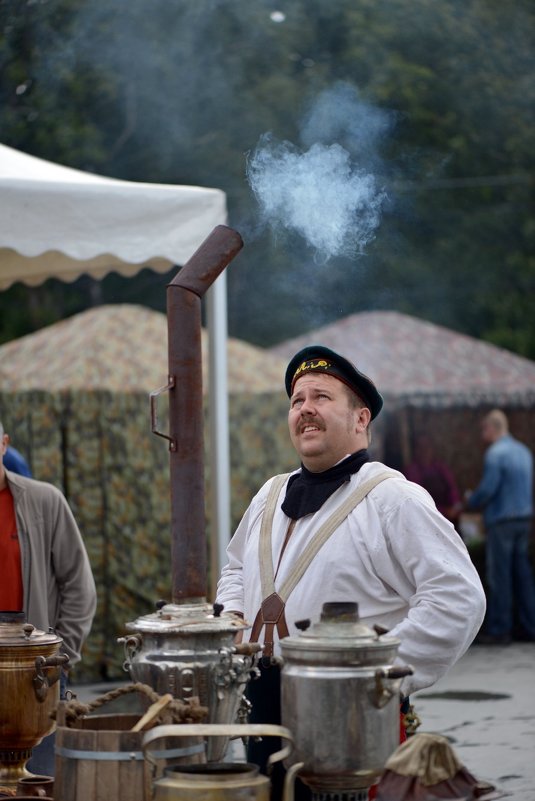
<point>30,667</point>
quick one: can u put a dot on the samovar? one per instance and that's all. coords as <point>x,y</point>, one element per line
<point>30,667</point>
<point>186,647</point>
<point>340,695</point>
<point>188,650</point>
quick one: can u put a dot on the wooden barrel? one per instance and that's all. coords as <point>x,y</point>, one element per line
<point>100,759</point>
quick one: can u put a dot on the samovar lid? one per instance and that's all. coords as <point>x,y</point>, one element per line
<point>194,618</point>
<point>339,628</point>
<point>15,630</point>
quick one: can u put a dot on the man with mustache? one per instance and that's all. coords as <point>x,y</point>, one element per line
<point>394,553</point>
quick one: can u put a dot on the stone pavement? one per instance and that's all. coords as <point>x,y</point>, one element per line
<point>485,706</point>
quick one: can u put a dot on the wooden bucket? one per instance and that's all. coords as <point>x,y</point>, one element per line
<point>100,759</point>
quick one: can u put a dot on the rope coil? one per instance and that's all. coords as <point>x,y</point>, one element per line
<point>177,711</point>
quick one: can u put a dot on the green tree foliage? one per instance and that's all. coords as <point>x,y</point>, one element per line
<point>181,92</point>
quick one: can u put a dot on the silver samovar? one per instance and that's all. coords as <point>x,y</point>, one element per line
<point>340,694</point>
<point>186,647</point>
<point>187,650</point>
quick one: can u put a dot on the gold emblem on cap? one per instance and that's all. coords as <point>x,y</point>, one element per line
<point>311,364</point>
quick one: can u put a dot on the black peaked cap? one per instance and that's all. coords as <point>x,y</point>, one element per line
<point>320,359</point>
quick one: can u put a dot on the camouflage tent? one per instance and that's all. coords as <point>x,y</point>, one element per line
<point>119,348</point>
<point>74,398</point>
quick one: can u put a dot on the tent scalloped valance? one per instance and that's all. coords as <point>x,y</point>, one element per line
<point>76,219</point>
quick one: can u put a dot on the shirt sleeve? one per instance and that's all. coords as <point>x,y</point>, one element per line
<point>230,584</point>
<point>430,566</point>
<point>240,551</point>
<point>72,572</point>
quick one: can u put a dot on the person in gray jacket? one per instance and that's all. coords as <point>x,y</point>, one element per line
<point>45,570</point>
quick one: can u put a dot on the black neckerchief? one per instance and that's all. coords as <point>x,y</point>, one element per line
<point>307,492</point>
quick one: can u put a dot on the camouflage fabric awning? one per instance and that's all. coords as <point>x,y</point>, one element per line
<point>121,348</point>
<point>417,362</point>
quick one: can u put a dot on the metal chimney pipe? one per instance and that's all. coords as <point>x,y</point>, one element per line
<point>186,424</point>
<point>186,647</point>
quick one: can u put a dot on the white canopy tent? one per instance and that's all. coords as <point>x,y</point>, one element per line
<point>57,222</point>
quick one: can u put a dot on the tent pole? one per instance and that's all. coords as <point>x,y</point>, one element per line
<point>219,428</point>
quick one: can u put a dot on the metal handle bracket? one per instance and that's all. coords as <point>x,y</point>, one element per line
<point>41,682</point>
<point>154,412</point>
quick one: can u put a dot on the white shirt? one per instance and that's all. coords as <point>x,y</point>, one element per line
<point>395,555</point>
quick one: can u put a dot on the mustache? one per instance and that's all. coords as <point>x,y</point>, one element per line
<point>310,421</point>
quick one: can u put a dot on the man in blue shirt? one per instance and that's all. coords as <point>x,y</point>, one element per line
<point>15,461</point>
<point>505,494</point>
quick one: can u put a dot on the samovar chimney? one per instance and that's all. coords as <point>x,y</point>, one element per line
<point>186,445</point>
<point>186,647</point>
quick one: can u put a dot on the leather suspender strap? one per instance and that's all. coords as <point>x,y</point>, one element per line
<point>270,615</point>
<point>271,612</point>
<point>267,578</point>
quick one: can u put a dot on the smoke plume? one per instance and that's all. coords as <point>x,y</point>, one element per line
<point>323,191</point>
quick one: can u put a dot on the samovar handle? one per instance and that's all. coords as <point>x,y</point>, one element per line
<point>382,695</point>
<point>289,781</point>
<point>221,730</point>
<point>132,646</point>
<point>42,683</point>
<point>398,672</point>
<point>247,648</point>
